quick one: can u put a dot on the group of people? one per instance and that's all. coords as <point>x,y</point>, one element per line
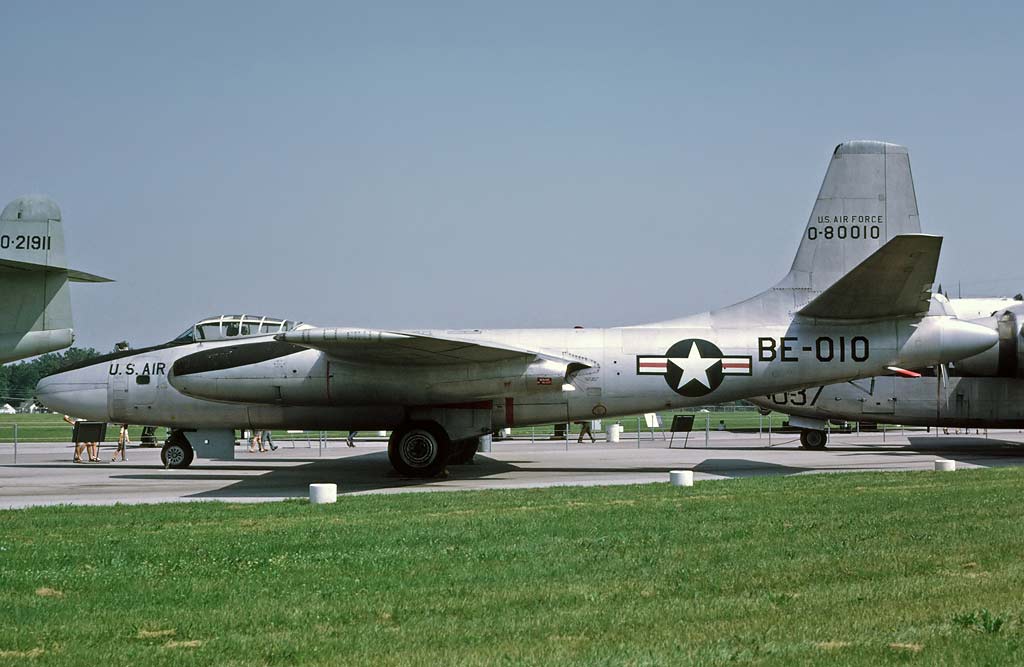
<point>259,439</point>
<point>92,449</point>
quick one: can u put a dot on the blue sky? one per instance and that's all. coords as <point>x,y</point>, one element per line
<point>489,164</point>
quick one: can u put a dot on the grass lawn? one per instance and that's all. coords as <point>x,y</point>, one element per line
<point>864,569</point>
<point>52,428</point>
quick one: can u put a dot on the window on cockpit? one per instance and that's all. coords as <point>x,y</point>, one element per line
<point>208,331</point>
<point>186,336</point>
<point>231,328</point>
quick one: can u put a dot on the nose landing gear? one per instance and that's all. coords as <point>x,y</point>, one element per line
<point>177,452</point>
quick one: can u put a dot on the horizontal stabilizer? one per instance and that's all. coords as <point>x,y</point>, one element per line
<point>73,275</point>
<point>83,277</point>
<point>401,348</point>
<point>894,281</point>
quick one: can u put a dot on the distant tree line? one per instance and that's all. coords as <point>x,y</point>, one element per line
<point>18,381</point>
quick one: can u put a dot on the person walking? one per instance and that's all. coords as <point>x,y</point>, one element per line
<point>267,439</point>
<point>91,448</point>
<point>350,438</point>
<point>122,441</point>
<point>79,446</point>
<point>585,430</point>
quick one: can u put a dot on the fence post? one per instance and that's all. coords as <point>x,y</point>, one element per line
<point>15,444</point>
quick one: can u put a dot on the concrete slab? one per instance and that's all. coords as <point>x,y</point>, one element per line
<point>45,475</point>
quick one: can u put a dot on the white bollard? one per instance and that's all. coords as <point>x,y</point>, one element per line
<point>681,477</point>
<point>945,465</point>
<point>320,494</point>
<point>614,432</point>
<point>484,444</point>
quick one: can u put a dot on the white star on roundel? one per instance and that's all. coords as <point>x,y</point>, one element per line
<point>694,367</point>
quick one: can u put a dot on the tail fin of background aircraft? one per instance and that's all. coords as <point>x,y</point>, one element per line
<point>35,303</point>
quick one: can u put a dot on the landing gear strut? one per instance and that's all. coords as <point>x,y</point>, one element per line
<point>813,439</point>
<point>419,449</point>
<point>177,452</point>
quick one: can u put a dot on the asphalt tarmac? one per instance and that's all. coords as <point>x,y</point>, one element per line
<point>45,475</point>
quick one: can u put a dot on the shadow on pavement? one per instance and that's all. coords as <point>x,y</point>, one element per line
<point>365,472</point>
<point>745,468</point>
<point>981,451</point>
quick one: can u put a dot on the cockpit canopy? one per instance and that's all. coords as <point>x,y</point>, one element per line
<point>225,327</point>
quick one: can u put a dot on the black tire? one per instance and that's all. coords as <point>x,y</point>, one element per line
<point>419,449</point>
<point>177,452</point>
<point>813,439</point>
<point>463,451</point>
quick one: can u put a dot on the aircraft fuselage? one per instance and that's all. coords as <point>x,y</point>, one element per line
<point>627,370</point>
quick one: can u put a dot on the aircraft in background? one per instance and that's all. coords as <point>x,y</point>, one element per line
<point>35,300</point>
<point>855,303</point>
<point>983,391</point>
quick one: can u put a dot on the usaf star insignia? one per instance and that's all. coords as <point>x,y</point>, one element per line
<point>693,367</point>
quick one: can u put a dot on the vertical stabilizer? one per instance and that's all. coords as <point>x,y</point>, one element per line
<point>866,199</point>
<point>35,300</point>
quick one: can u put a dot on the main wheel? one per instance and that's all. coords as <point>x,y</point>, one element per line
<point>177,452</point>
<point>813,439</point>
<point>463,451</point>
<point>419,449</point>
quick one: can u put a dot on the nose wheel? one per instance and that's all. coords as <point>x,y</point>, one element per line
<point>177,452</point>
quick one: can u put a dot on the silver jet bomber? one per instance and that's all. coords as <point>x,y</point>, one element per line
<point>983,391</point>
<point>854,303</point>
<point>35,300</point>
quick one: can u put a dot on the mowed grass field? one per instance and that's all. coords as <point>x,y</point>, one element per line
<point>861,569</point>
<point>52,428</point>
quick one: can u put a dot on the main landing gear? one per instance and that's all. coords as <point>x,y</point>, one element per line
<point>177,452</point>
<point>419,449</point>
<point>463,451</point>
<point>810,439</point>
<point>423,449</point>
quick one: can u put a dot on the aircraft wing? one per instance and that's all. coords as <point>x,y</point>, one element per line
<point>894,281</point>
<point>410,348</point>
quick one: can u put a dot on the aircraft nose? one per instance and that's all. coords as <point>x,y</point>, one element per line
<point>76,396</point>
